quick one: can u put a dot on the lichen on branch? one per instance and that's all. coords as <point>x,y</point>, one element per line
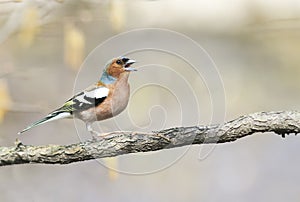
<point>120,143</point>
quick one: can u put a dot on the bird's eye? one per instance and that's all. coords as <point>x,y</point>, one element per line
<point>118,62</point>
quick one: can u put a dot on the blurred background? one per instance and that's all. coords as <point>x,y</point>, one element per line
<point>248,62</point>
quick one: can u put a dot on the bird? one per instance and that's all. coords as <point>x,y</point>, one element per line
<point>105,99</point>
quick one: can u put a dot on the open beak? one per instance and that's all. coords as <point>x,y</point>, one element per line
<point>128,64</point>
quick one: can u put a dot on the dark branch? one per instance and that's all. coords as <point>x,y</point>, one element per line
<point>282,123</point>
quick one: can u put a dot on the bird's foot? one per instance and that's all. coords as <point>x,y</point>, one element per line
<point>97,135</point>
<point>113,133</point>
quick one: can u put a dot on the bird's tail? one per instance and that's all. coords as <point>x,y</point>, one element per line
<point>50,117</point>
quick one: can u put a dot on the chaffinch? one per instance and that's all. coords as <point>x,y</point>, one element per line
<point>103,100</point>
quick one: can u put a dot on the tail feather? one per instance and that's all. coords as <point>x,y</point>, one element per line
<point>51,117</point>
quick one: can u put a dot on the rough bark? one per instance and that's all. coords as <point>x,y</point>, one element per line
<point>282,123</point>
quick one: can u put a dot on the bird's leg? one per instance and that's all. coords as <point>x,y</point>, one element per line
<point>94,133</point>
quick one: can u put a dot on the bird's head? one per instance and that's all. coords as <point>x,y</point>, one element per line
<point>115,68</point>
